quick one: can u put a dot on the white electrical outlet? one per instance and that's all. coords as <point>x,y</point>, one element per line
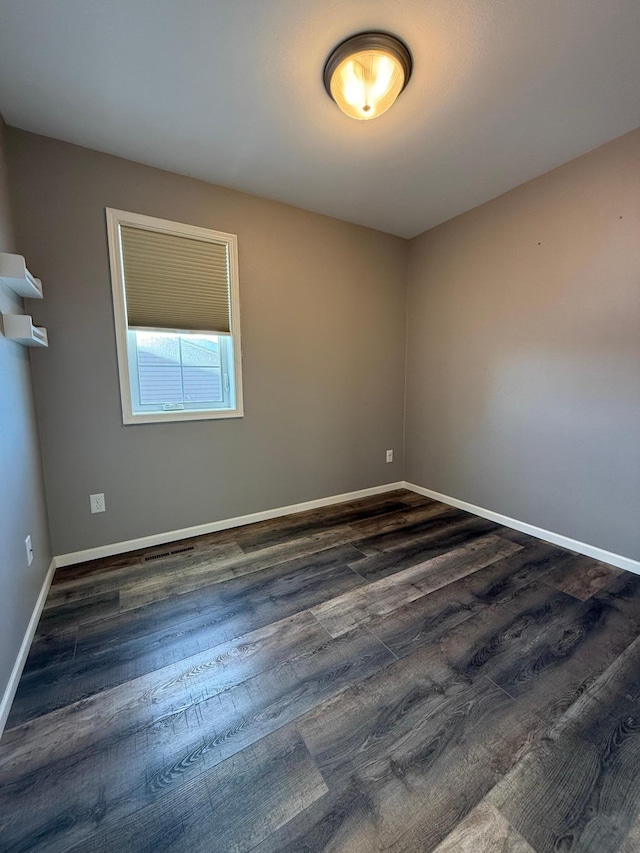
<point>389,455</point>
<point>29,547</point>
<point>97,503</point>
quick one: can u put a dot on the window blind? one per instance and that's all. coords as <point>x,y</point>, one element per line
<point>174,282</point>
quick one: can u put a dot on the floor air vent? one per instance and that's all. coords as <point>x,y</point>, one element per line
<point>158,556</point>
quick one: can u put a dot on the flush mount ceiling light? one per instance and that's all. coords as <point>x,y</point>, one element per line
<point>366,73</point>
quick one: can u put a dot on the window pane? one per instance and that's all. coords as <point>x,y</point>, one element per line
<point>202,384</point>
<point>198,351</point>
<point>162,384</point>
<point>158,349</point>
<point>174,368</point>
<point>159,368</point>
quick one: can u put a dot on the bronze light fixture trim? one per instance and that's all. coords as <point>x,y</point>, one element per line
<point>365,74</point>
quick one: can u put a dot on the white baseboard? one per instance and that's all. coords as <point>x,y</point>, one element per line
<point>540,533</point>
<point>16,672</point>
<point>211,527</point>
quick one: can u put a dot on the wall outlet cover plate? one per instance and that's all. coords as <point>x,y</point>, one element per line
<point>97,503</point>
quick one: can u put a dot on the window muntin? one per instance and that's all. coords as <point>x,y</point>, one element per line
<point>176,374</point>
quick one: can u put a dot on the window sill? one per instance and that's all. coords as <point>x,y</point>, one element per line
<point>164,417</point>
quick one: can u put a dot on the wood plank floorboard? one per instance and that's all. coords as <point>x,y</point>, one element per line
<point>484,830</point>
<point>194,572</point>
<point>425,620</point>
<point>408,791</point>
<point>57,620</point>
<point>417,530</point>
<point>342,613</point>
<point>122,710</point>
<point>109,652</point>
<point>70,591</point>
<point>388,556</point>
<point>583,577</point>
<point>138,768</point>
<point>247,797</point>
<point>584,776</point>
<point>205,573</point>
<point>335,516</point>
<point>397,520</point>
<point>386,674</point>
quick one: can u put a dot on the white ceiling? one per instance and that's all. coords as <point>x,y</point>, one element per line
<point>231,91</point>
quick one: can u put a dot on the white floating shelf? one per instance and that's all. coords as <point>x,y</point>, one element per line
<point>20,328</point>
<point>14,273</point>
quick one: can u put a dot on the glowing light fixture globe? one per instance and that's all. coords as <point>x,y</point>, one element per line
<point>365,74</point>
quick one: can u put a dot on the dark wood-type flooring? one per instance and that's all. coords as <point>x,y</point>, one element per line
<point>389,674</point>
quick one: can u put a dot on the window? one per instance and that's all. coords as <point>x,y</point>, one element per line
<point>176,308</point>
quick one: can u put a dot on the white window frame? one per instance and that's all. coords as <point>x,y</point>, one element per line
<point>116,218</point>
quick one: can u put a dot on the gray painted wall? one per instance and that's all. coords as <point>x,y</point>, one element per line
<point>523,365</point>
<point>523,353</point>
<point>22,505</point>
<point>323,324</point>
